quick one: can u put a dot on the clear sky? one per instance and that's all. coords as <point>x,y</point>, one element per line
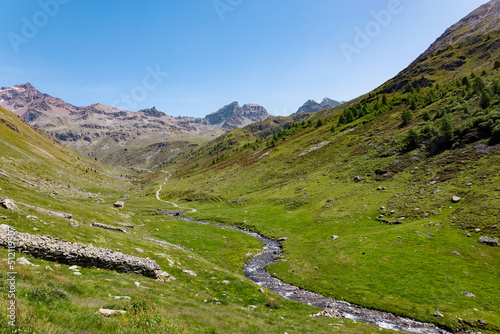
<point>191,57</point>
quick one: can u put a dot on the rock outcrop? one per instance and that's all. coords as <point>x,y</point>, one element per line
<point>312,106</point>
<point>71,253</point>
<point>8,204</point>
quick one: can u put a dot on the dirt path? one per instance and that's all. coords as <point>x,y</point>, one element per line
<point>175,205</point>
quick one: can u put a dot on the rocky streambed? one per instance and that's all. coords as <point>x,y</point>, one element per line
<point>255,269</point>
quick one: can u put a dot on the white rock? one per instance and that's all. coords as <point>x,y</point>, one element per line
<point>8,204</point>
<point>109,313</point>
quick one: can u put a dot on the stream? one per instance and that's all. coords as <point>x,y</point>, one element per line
<point>255,269</point>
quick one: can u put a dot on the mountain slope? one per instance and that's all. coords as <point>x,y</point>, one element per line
<point>405,180</point>
<point>123,138</point>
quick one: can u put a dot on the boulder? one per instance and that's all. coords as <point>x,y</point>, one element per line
<point>119,204</point>
<point>488,241</point>
<point>438,315</point>
<point>8,204</point>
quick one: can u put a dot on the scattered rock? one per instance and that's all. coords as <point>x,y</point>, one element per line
<point>74,268</point>
<point>455,253</point>
<point>137,284</point>
<point>481,322</point>
<point>74,223</point>
<point>327,313</point>
<point>438,315</point>
<point>3,217</point>
<point>389,222</point>
<point>109,313</point>
<point>138,250</point>
<point>335,237</point>
<point>226,282</point>
<point>282,239</point>
<point>468,294</point>
<point>329,200</point>
<point>455,199</point>
<point>189,272</point>
<point>477,230</point>
<point>24,261</point>
<point>381,188</point>
<point>488,241</point>
<point>120,297</point>
<point>31,217</point>
<point>436,191</point>
<point>358,178</point>
<point>119,204</point>
<point>239,199</point>
<point>430,235</point>
<point>126,225</point>
<point>8,204</point>
<point>112,228</point>
<point>77,273</point>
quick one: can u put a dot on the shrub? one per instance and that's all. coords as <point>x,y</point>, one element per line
<point>412,140</point>
<point>426,116</point>
<point>497,64</point>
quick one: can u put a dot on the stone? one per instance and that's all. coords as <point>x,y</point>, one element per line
<point>189,272</point>
<point>119,204</point>
<point>329,200</point>
<point>455,253</point>
<point>8,204</point>
<point>455,199</point>
<point>335,237</point>
<point>74,268</point>
<point>488,241</point>
<point>430,235</point>
<point>72,253</point>
<point>477,230</point>
<point>358,178</point>
<point>481,322</point>
<point>438,315</point>
<point>24,261</point>
<point>77,273</point>
<point>381,188</point>
<point>109,313</point>
<point>138,250</point>
<point>112,228</point>
<point>468,294</point>
<point>3,217</point>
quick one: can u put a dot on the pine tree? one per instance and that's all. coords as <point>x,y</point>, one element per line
<point>446,126</point>
<point>485,100</point>
<point>406,117</point>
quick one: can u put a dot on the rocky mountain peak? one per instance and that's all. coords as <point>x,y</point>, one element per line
<point>153,112</point>
<point>311,106</point>
<point>232,116</point>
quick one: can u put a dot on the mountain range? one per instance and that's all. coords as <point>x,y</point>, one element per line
<point>120,137</point>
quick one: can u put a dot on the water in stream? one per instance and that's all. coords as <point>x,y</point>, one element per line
<point>255,269</point>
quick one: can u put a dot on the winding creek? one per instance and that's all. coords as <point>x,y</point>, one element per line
<point>255,269</point>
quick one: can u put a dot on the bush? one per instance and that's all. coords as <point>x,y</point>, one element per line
<point>412,140</point>
<point>497,64</point>
<point>426,116</point>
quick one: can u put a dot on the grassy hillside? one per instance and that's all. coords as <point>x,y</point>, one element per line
<point>208,293</point>
<point>399,153</point>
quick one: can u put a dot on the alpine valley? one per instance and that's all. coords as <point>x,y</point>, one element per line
<point>377,215</point>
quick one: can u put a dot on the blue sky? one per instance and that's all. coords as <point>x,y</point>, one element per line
<point>191,57</point>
